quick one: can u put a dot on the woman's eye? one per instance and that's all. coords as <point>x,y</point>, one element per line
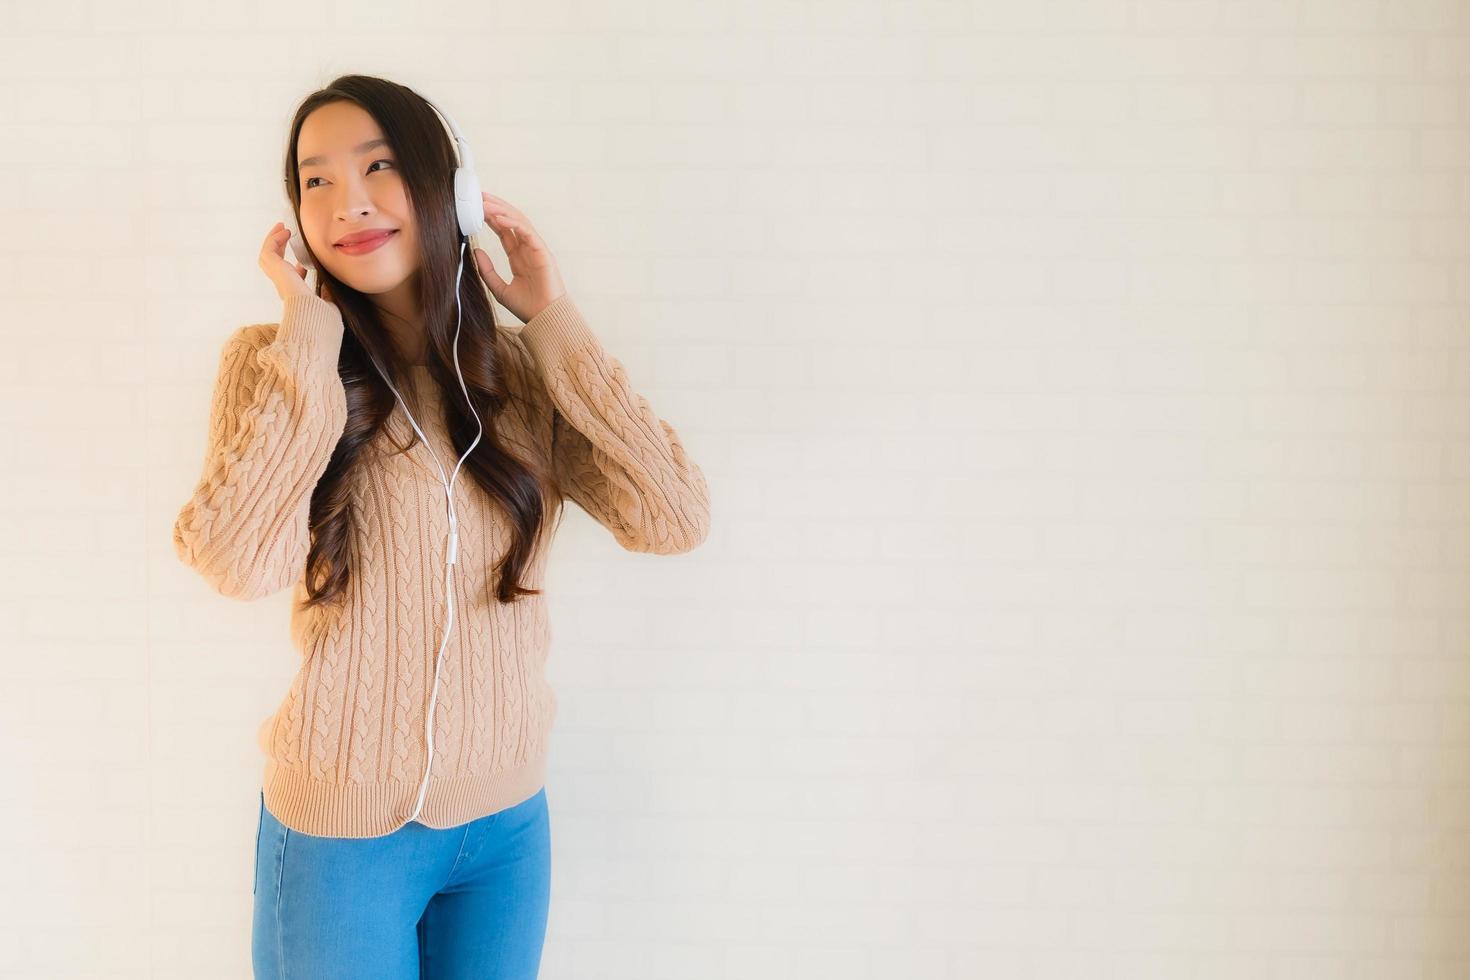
<point>308,183</point>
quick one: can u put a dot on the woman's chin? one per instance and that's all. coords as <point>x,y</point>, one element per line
<point>372,284</point>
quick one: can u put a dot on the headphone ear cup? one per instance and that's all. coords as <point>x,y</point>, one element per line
<point>469,207</point>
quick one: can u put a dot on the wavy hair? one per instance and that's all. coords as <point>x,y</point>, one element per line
<point>495,374</point>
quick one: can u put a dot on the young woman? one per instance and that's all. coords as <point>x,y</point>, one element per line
<point>392,844</point>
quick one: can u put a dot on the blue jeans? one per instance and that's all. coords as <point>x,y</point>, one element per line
<point>470,901</point>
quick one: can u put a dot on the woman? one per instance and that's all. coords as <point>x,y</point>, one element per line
<point>390,844</point>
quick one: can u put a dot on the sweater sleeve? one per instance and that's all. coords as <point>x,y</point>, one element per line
<point>278,409</point>
<point>618,460</point>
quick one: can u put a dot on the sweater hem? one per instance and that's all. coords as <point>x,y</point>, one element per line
<point>358,810</point>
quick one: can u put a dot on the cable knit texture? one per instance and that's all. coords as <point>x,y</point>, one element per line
<point>345,750</point>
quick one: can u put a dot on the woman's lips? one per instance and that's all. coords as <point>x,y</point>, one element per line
<point>362,248</point>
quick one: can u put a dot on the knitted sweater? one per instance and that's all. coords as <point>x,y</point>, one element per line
<point>345,750</point>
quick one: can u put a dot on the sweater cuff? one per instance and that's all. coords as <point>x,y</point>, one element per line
<point>313,325</point>
<point>557,331</point>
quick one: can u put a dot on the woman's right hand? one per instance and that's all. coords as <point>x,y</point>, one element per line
<point>288,277</point>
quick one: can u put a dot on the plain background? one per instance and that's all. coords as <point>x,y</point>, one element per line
<point>1084,392</point>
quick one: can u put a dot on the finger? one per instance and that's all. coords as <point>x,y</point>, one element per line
<point>520,224</point>
<point>502,206</point>
<point>493,210</point>
<point>502,231</point>
<point>514,215</point>
<point>503,203</point>
<point>520,228</point>
<point>487,270</point>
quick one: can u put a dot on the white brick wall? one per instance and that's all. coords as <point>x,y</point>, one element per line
<point>1084,389</point>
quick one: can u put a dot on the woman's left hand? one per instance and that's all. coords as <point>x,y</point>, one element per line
<point>535,282</point>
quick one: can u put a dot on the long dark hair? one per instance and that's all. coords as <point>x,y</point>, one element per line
<point>495,374</point>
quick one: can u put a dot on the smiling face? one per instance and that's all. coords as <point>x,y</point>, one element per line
<point>350,183</point>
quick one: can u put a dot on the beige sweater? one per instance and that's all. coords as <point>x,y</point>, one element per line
<point>345,750</point>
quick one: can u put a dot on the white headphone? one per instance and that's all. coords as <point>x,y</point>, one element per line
<point>470,212</point>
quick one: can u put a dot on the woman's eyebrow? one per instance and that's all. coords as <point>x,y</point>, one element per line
<point>362,148</point>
